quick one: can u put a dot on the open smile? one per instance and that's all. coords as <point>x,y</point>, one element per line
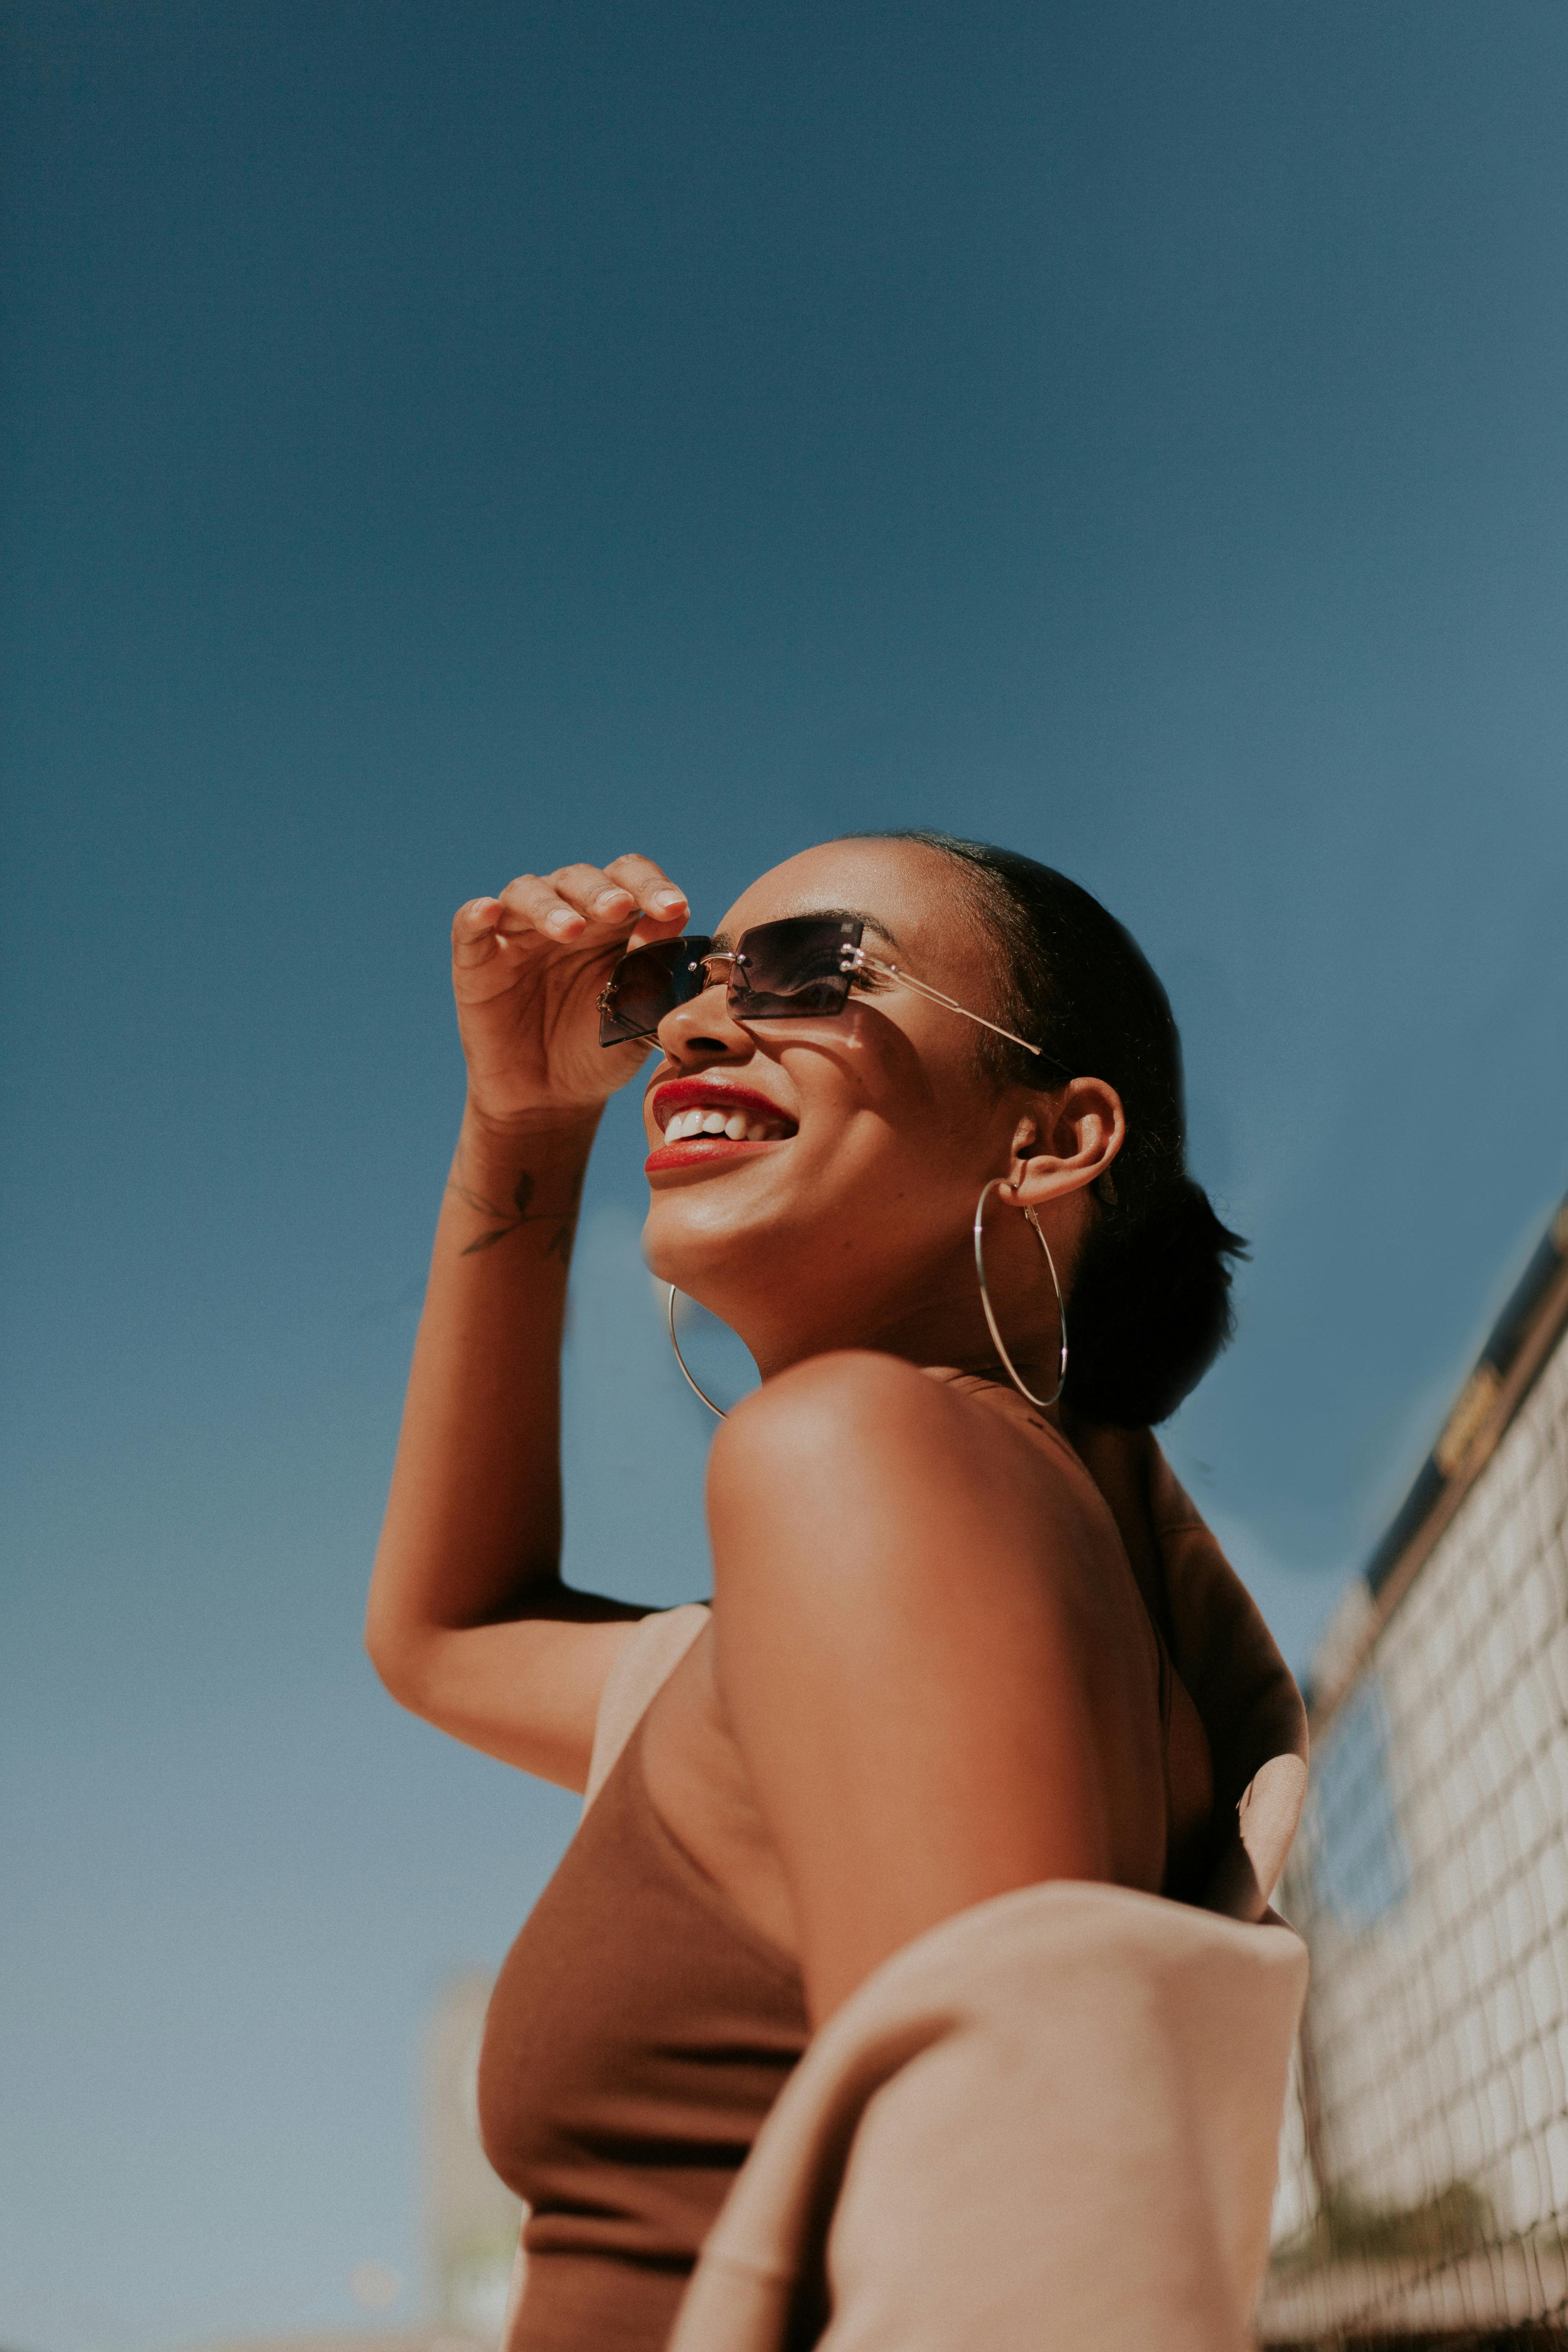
<point>703,1121</point>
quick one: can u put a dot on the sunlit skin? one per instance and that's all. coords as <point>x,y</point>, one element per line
<point>921,1686</point>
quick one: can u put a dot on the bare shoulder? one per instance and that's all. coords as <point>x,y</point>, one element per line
<point>816,1398</point>
<point>870,1462</point>
<point>918,1655</point>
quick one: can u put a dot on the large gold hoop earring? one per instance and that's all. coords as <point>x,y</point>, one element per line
<point>985,1302</point>
<point>680,1359</point>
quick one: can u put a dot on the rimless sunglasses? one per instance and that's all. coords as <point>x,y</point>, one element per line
<point>801,968</point>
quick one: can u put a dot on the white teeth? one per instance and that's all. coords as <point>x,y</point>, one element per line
<point>735,1124</point>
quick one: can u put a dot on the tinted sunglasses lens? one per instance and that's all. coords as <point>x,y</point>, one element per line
<point>792,967</point>
<point>649,983</point>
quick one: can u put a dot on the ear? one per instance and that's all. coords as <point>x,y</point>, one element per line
<point>1062,1146</point>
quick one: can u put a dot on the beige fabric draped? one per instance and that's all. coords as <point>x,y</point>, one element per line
<point>1049,2124</point>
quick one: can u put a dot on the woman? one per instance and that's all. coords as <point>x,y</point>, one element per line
<point>966,1636</point>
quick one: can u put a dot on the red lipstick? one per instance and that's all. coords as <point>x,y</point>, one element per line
<point>683,1103</point>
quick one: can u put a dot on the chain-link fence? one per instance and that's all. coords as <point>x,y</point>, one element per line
<point>1424,2172</point>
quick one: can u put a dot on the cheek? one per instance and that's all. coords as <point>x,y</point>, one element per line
<point>876,1068</point>
<point>885,1178</point>
<point>912,1116</point>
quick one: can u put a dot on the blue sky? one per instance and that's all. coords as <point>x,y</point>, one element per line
<point>441,442</point>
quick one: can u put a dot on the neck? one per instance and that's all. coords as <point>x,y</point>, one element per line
<point>924,1307</point>
<point>938,1321</point>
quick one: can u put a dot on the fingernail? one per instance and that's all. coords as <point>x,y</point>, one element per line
<point>561,919</point>
<point>608,898</point>
<point>669,897</point>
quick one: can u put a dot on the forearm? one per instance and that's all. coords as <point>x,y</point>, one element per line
<point>468,1622</point>
<point>473,1520</point>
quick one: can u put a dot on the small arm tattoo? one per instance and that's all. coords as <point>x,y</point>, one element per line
<point>520,1211</point>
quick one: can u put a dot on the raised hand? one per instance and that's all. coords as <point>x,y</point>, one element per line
<point>527,971</point>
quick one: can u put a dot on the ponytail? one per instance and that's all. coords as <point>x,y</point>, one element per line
<point>1150,1308</point>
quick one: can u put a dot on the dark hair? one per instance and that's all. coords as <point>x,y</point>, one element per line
<point>1151,1298</point>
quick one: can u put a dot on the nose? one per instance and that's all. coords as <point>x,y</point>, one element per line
<point>703,1031</point>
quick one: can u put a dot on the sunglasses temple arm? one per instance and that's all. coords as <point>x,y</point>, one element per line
<point>924,988</point>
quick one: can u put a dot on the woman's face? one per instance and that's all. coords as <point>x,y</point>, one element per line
<point>848,1221</point>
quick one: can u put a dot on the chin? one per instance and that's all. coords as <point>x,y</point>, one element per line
<point>716,1239</point>
<point>694,1249</point>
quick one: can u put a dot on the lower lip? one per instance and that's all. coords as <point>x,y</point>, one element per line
<point>704,1151</point>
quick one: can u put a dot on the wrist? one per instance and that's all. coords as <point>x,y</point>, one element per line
<point>557,1130</point>
<point>522,1171</point>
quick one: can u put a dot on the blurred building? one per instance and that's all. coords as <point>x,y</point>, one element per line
<point>471,2218</point>
<point>1424,2176</point>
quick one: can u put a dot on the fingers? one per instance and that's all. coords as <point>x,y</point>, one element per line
<point>619,892</point>
<point>662,901</point>
<point>576,904</point>
<point>534,906</point>
<point>473,932</point>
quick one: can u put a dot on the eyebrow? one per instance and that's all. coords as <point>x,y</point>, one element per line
<point>723,941</point>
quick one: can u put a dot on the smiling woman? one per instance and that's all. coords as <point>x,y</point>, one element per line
<point>966,1647</point>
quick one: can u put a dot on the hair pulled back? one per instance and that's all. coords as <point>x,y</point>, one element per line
<point>1150,1305</point>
